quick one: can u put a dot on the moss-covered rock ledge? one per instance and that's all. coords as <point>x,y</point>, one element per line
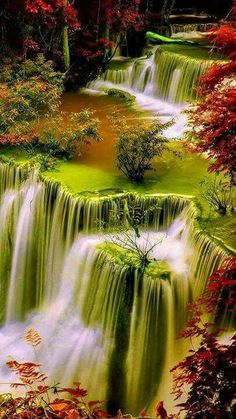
<point>90,182</point>
<point>126,258</point>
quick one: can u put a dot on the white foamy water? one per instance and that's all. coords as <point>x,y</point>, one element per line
<point>76,345</point>
<point>162,84</point>
<point>157,107</point>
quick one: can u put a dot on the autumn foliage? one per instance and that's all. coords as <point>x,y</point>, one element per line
<point>51,13</point>
<point>124,14</point>
<point>213,128</point>
<point>208,374</point>
<point>215,75</point>
<point>212,119</point>
<point>40,400</point>
<point>95,29</point>
<point>28,90</point>
<point>224,39</point>
<point>221,292</point>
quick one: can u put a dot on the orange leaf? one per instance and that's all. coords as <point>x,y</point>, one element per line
<point>143,414</point>
<point>93,403</point>
<point>101,413</point>
<point>58,407</point>
<point>73,414</point>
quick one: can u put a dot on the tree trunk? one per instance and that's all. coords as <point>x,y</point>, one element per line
<point>65,45</point>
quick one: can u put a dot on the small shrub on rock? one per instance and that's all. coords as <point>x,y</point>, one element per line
<point>138,145</point>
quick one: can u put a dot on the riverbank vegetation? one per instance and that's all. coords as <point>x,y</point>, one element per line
<point>28,90</point>
<point>30,96</point>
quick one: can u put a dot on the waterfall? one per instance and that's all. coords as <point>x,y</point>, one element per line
<point>102,322</point>
<point>192,27</point>
<point>35,241</point>
<point>206,254</point>
<point>168,76</point>
<point>162,84</point>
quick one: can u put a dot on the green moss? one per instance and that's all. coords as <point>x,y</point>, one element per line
<point>6,159</point>
<point>119,64</point>
<point>121,94</point>
<point>120,256</point>
<point>222,228</point>
<point>123,257</point>
<point>158,269</point>
<point>172,176</point>
<point>195,52</point>
<point>16,154</point>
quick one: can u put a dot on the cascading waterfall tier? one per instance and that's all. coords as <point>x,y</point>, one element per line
<point>102,322</point>
<point>192,27</point>
<point>40,222</point>
<point>166,75</point>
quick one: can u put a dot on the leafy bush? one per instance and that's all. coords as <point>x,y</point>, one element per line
<point>22,104</point>
<point>138,145</point>
<point>65,134</point>
<point>16,70</point>
<point>218,194</point>
<point>41,400</point>
<point>28,90</point>
<point>43,162</point>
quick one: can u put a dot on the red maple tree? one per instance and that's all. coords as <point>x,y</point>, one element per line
<point>50,13</point>
<point>213,128</point>
<point>208,373</point>
<point>212,119</point>
<point>224,39</point>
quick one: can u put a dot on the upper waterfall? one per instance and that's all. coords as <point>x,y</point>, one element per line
<point>161,84</point>
<point>177,28</point>
<point>167,75</point>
